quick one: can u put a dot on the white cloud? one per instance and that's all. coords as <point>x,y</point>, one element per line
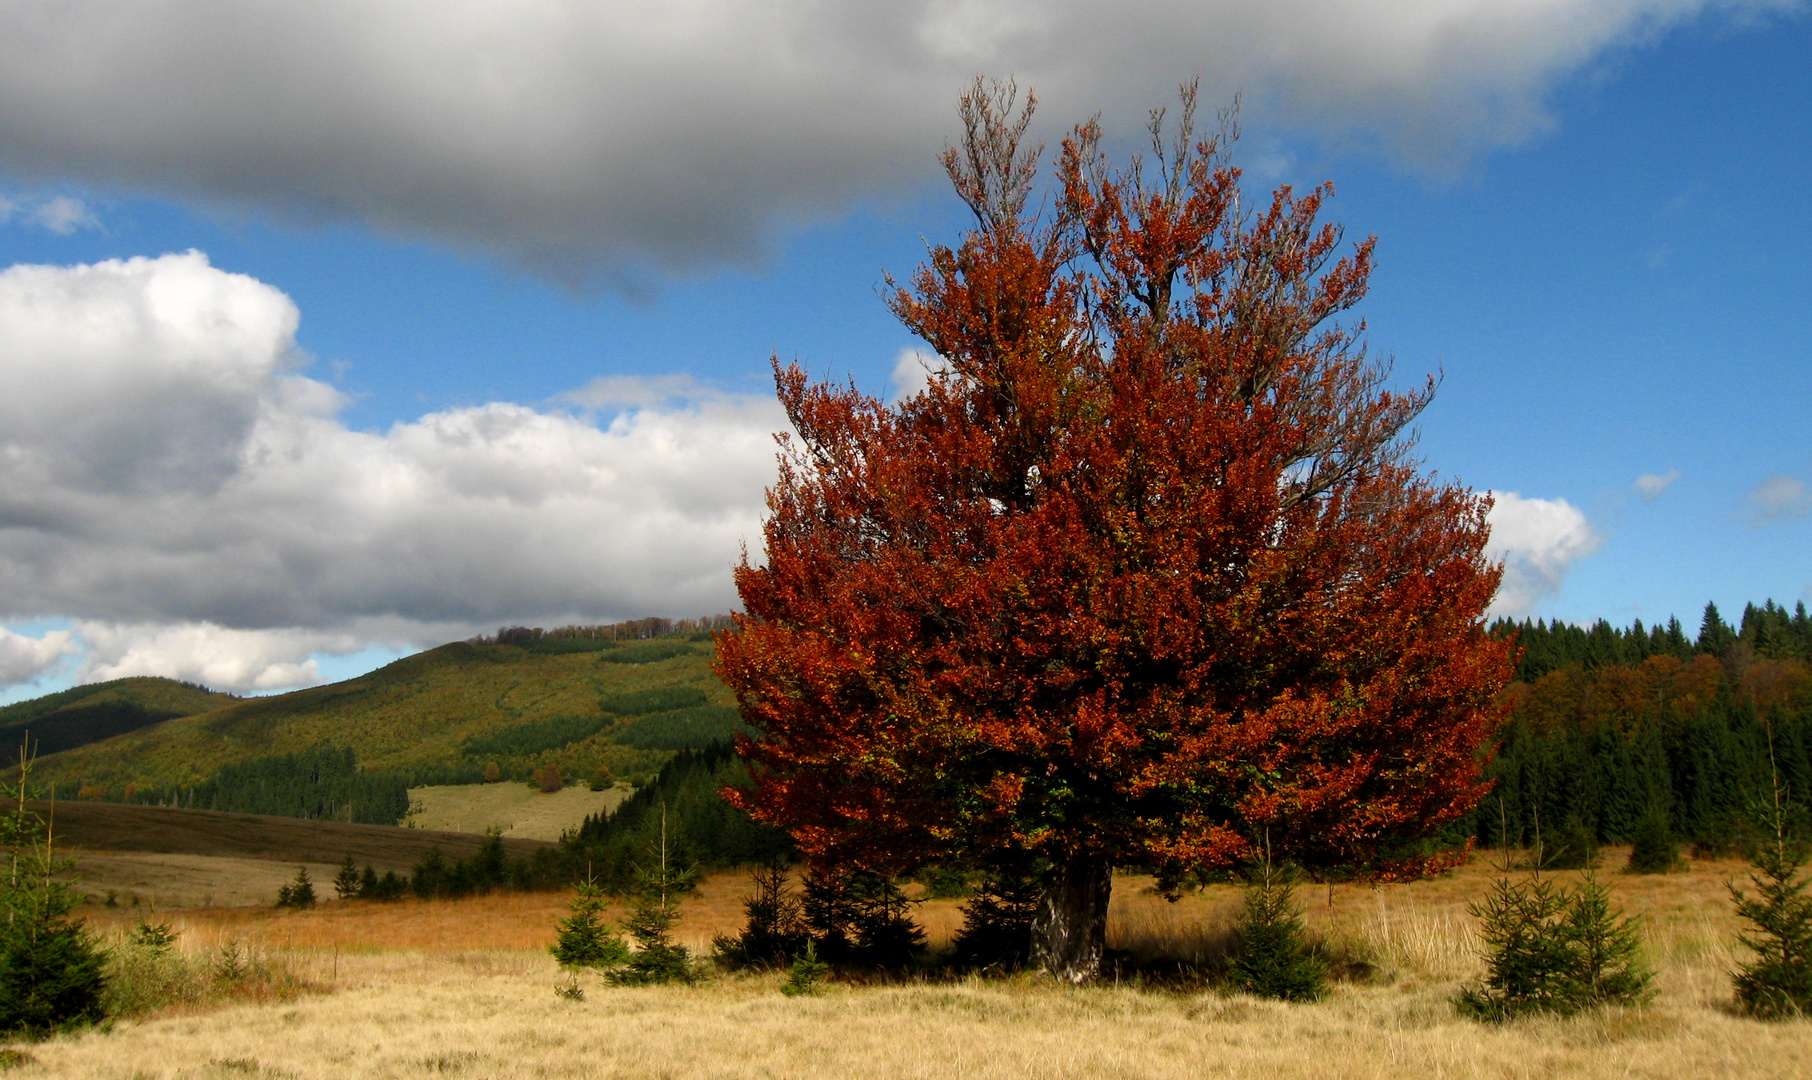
<point>1780,498</point>
<point>60,214</point>
<point>1538,540</point>
<point>23,659</point>
<point>622,136</point>
<point>912,371</point>
<point>169,479</point>
<point>1651,485</point>
<point>64,215</point>
<point>215,656</point>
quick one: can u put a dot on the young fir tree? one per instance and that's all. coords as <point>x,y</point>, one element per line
<point>886,935</point>
<point>1606,948</point>
<point>652,915</point>
<point>859,917</point>
<point>1653,848</point>
<point>1551,950</point>
<point>51,974</point>
<point>806,973</point>
<point>773,929</point>
<point>346,883</point>
<point>997,922</point>
<point>1272,957</point>
<point>299,893</point>
<point>585,939</point>
<point>1777,982</point>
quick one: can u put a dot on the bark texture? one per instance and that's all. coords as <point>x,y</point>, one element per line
<point>1069,933</point>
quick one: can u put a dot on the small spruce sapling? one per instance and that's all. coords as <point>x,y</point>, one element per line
<point>773,929</point>
<point>997,921</point>
<point>347,884</point>
<point>650,921</point>
<point>299,893</point>
<point>807,973</point>
<point>1777,981</point>
<point>1272,957</point>
<point>1653,849</point>
<point>1554,951</point>
<point>51,969</point>
<point>1606,947</point>
<point>584,938</point>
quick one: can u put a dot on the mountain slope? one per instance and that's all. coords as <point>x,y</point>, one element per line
<point>442,714</point>
<point>88,714</point>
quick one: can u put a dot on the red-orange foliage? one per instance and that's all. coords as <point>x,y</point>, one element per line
<point>1145,577</point>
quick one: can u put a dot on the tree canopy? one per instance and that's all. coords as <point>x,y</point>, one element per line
<point>1144,576</point>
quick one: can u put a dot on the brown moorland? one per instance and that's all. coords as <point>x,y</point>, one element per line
<point>117,827</point>
<point>432,989</point>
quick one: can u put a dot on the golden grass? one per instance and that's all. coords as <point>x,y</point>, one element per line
<point>510,808</point>
<point>465,989</point>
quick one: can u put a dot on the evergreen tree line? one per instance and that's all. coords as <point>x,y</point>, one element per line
<point>704,829</point>
<point>326,783</point>
<point>1613,730</point>
<point>435,877</point>
<point>1768,632</point>
<point>534,638</point>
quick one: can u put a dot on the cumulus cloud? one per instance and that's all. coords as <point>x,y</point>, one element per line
<point>613,136</point>
<point>912,371</point>
<point>1651,485</point>
<point>1538,540</point>
<point>23,659</point>
<point>1780,498</point>
<point>214,656</point>
<point>170,478</point>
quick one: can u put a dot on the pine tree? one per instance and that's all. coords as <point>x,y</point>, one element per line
<point>1550,950</point>
<point>51,974</point>
<point>997,922</point>
<point>773,929</point>
<point>299,893</point>
<point>1654,849</point>
<point>886,936</point>
<point>584,939</point>
<point>651,919</point>
<point>1272,958</point>
<point>1607,950</point>
<point>1528,964</point>
<point>346,883</point>
<point>1777,982</point>
<point>1572,847</point>
<point>806,973</point>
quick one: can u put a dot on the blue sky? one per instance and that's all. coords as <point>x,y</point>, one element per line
<point>539,392</point>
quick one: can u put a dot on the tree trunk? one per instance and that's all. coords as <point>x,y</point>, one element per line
<point>1069,932</point>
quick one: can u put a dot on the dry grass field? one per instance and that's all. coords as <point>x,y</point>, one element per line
<point>514,810</point>
<point>465,989</point>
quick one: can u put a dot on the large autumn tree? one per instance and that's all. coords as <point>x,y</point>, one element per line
<point>1145,576</point>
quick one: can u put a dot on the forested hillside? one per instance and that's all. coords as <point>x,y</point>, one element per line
<point>87,714</point>
<point>617,699</point>
<point>1607,725</point>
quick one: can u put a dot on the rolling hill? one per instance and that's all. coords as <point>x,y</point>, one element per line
<point>440,716</point>
<point>87,714</point>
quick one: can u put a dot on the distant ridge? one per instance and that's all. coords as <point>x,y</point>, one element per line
<point>88,714</point>
<point>612,701</point>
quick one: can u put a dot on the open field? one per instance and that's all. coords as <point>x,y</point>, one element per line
<point>117,827</point>
<point>464,988</point>
<point>162,858</point>
<point>515,810</point>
